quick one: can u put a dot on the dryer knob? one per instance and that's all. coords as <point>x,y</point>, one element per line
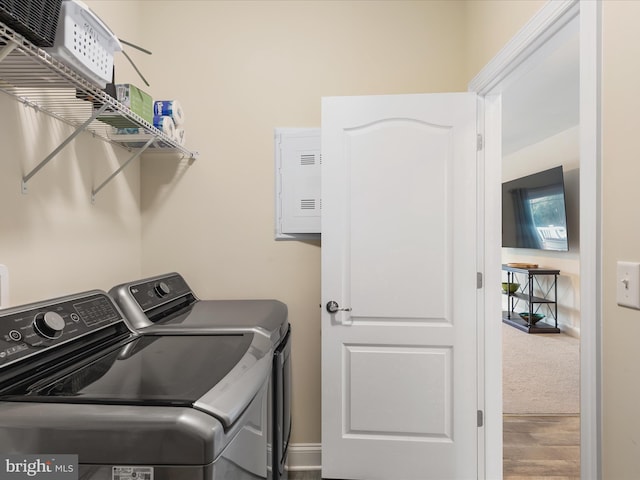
<point>162,289</point>
<point>48,324</point>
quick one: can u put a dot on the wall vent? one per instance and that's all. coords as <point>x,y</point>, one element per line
<point>308,204</point>
<point>308,159</point>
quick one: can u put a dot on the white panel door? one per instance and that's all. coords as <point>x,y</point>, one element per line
<point>399,359</point>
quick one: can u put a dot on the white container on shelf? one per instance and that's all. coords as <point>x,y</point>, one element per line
<point>85,43</point>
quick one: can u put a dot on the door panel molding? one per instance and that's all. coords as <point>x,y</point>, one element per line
<point>411,421</point>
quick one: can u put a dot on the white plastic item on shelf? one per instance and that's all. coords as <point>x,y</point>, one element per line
<point>180,136</point>
<point>85,43</point>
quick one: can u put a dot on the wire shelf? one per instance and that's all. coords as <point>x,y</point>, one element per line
<point>33,77</point>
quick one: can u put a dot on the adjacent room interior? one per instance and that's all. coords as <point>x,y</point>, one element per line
<point>541,357</point>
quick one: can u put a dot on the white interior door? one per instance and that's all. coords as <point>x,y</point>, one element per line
<point>399,360</point>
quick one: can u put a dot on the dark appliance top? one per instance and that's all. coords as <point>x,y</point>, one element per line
<point>78,349</point>
<point>169,370</point>
<point>167,303</point>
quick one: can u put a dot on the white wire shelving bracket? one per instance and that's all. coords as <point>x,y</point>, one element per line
<point>36,79</point>
<point>95,191</point>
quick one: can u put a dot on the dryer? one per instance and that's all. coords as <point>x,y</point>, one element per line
<point>166,304</point>
<point>76,380</point>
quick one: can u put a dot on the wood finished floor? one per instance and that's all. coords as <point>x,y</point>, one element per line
<point>535,447</point>
<point>541,447</point>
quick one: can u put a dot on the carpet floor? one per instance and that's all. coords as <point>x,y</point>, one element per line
<point>540,373</point>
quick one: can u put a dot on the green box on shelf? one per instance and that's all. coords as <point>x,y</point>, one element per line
<point>138,101</point>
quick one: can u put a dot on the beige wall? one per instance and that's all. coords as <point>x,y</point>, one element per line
<point>53,240</point>
<point>491,24</point>
<point>240,69</point>
<point>621,236</point>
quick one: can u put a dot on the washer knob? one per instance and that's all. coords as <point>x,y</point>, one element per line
<point>48,324</point>
<point>162,289</point>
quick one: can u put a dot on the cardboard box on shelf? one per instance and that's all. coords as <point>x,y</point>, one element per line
<point>138,101</point>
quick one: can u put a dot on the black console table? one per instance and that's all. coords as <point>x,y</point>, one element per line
<point>528,279</point>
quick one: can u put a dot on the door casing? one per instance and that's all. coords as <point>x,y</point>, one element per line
<point>516,54</point>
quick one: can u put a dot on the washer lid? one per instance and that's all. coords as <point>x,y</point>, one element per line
<point>268,316</point>
<point>156,370</point>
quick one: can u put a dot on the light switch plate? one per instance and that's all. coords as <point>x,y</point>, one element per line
<point>628,288</point>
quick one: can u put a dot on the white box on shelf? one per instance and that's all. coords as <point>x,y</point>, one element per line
<point>85,43</point>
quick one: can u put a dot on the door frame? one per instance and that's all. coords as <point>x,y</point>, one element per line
<point>522,49</point>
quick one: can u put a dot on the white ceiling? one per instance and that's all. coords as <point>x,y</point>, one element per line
<point>544,100</point>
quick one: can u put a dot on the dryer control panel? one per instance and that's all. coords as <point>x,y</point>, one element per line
<point>37,327</point>
<point>159,291</point>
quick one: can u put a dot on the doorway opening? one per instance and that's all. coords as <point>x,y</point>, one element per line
<point>541,363</point>
<point>517,62</point>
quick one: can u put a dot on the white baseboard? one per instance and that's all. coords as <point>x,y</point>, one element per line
<point>565,328</point>
<point>304,457</point>
<point>569,330</point>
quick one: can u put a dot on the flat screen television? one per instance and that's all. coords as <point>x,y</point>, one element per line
<point>533,212</point>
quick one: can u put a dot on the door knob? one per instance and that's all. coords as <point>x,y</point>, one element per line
<point>333,307</point>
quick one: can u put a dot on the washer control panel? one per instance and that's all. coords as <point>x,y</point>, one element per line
<point>33,328</point>
<point>153,293</point>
